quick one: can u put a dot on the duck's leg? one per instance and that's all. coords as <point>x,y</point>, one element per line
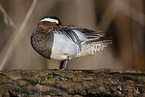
<point>63,67</point>
<point>66,62</point>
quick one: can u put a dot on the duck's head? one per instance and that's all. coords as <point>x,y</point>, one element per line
<point>48,21</point>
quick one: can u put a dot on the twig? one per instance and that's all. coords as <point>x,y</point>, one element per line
<point>113,8</point>
<point>12,42</point>
<point>124,7</point>
<point>7,18</point>
<point>107,18</point>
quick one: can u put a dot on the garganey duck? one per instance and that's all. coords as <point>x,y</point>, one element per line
<point>60,42</point>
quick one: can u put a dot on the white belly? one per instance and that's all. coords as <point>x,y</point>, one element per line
<point>63,47</point>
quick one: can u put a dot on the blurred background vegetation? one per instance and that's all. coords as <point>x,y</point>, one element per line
<point>123,20</point>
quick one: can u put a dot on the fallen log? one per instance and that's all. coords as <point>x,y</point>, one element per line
<point>86,83</point>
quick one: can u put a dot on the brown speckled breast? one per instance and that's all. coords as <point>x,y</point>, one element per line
<point>42,41</point>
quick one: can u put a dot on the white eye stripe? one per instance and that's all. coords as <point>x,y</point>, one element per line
<point>50,20</point>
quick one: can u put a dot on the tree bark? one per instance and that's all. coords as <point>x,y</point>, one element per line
<point>86,83</point>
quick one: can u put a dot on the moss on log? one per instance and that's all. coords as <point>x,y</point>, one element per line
<point>86,83</point>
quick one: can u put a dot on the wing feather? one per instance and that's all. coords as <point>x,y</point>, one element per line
<point>70,34</point>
